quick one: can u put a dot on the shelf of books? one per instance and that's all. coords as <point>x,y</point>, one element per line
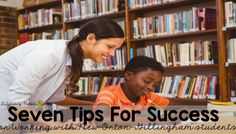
<point>177,86</point>
<point>182,35</point>
<point>75,14</point>
<point>79,12</point>
<point>42,21</point>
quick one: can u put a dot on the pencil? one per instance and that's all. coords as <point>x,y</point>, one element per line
<point>155,104</point>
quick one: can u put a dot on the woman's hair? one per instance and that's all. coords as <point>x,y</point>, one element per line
<point>102,29</point>
<point>142,63</point>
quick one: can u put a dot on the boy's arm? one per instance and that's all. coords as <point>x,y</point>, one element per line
<point>105,100</point>
<point>158,100</point>
<point>117,119</point>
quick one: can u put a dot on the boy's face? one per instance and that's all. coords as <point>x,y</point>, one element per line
<point>143,82</point>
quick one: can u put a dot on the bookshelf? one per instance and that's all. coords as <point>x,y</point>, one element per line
<point>219,34</point>
<point>227,37</point>
<point>210,34</point>
<point>41,21</point>
<point>76,20</point>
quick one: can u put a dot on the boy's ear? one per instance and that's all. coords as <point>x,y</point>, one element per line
<point>128,75</point>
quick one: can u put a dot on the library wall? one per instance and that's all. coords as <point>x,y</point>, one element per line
<point>8,29</point>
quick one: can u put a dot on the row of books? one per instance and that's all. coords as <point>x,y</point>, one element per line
<point>144,3</point>
<point>196,87</point>
<point>230,14</point>
<point>233,89</point>
<point>231,50</point>
<point>39,18</point>
<point>89,8</point>
<point>70,33</point>
<point>117,62</point>
<point>24,37</point>
<point>92,85</point>
<point>182,54</point>
<point>197,19</point>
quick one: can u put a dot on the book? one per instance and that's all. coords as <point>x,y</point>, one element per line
<point>224,108</point>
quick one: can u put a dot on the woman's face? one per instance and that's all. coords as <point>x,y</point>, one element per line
<point>105,48</point>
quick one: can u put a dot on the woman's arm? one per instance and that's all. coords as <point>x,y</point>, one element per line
<point>72,101</point>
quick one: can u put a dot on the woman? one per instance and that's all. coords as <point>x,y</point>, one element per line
<point>39,70</point>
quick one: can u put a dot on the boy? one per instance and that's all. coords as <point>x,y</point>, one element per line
<point>142,76</point>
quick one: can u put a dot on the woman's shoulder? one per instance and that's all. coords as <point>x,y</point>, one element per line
<point>51,43</point>
<point>57,48</point>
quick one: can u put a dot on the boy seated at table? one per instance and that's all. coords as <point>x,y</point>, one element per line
<point>142,76</point>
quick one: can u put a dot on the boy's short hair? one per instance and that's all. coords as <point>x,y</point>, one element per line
<point>141,63</point>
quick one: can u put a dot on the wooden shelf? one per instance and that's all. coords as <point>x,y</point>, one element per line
<point>192,70</point>
<point>230,29</point>
<point>181,35</point>
<point>168,5</point>
<point>232,64</point>
<point>179,101</point>
<point>44,5</point>
<point>41,29</point>
<point>82,21</point>
<point>169,71</point>
<point>103,72</point>
<point>231,70</point>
